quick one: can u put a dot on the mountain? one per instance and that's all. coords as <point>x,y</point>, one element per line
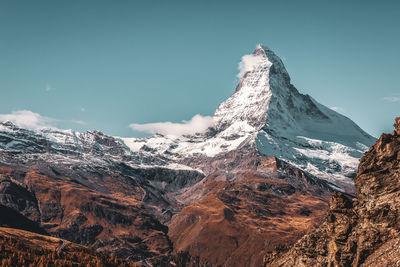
<point>266,113</point>
<point>261,177</point>
<point>293,126</point>
<point>360,232</point>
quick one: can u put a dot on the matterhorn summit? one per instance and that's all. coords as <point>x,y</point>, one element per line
<point>250,101</point>
<point>289,125</point>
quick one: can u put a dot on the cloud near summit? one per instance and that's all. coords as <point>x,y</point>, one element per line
<point>197,124</point>
<point>248,63</point>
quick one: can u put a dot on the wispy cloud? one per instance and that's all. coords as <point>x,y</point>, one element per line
<point>28,119</point>
<point>34,121</point>
<point>393,98</point>
<point>48,88</point>
<point>248,63</point>
<point>197,124</point>
<point>338,109</point>
<point>82,109</point>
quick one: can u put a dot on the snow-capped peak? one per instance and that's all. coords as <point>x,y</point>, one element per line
<point>250,100</point>
<point>263,77</point>
<point>287,124</point>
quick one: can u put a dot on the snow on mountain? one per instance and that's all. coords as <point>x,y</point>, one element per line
<point>298,129</point>
<point>266,112</point>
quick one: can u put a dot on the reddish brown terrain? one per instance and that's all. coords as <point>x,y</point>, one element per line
<point>112,222</point>
<point>229,217</point>
<point>22,248</point>
<point>244,214</point>
<point>361,232</point>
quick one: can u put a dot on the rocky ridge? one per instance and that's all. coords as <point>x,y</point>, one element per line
<point>361,232</point>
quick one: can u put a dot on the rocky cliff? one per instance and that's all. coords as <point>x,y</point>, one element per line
<point>361,232</point>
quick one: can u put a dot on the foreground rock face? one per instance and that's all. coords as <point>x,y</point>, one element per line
<point>362,232</point>
<point>397,125</point>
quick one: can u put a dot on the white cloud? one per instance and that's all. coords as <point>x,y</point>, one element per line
<point>394,98</point>
<point>248,63</point>
<point>338,109</point>
<point>34,121</point>
<point>82,109</point>
<point>48,88</point>
<point>28,119</point>
<point>197,124</point>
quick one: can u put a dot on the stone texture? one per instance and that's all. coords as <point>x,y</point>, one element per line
<point>397,125</point>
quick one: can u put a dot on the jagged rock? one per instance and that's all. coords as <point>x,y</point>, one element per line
<point>397,125</point>
<point>364,232</point>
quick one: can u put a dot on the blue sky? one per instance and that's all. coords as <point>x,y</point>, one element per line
<point>103,65</point>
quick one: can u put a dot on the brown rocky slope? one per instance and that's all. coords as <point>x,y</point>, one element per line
<point>226,218</point>
<point>362,232</point>
<point>232,218</point>
<point>115,223</point>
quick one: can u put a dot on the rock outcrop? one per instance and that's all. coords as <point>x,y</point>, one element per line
<point>361,232</point>
<point>397,126</point>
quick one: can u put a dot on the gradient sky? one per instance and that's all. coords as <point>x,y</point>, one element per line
<point>105,64</point>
